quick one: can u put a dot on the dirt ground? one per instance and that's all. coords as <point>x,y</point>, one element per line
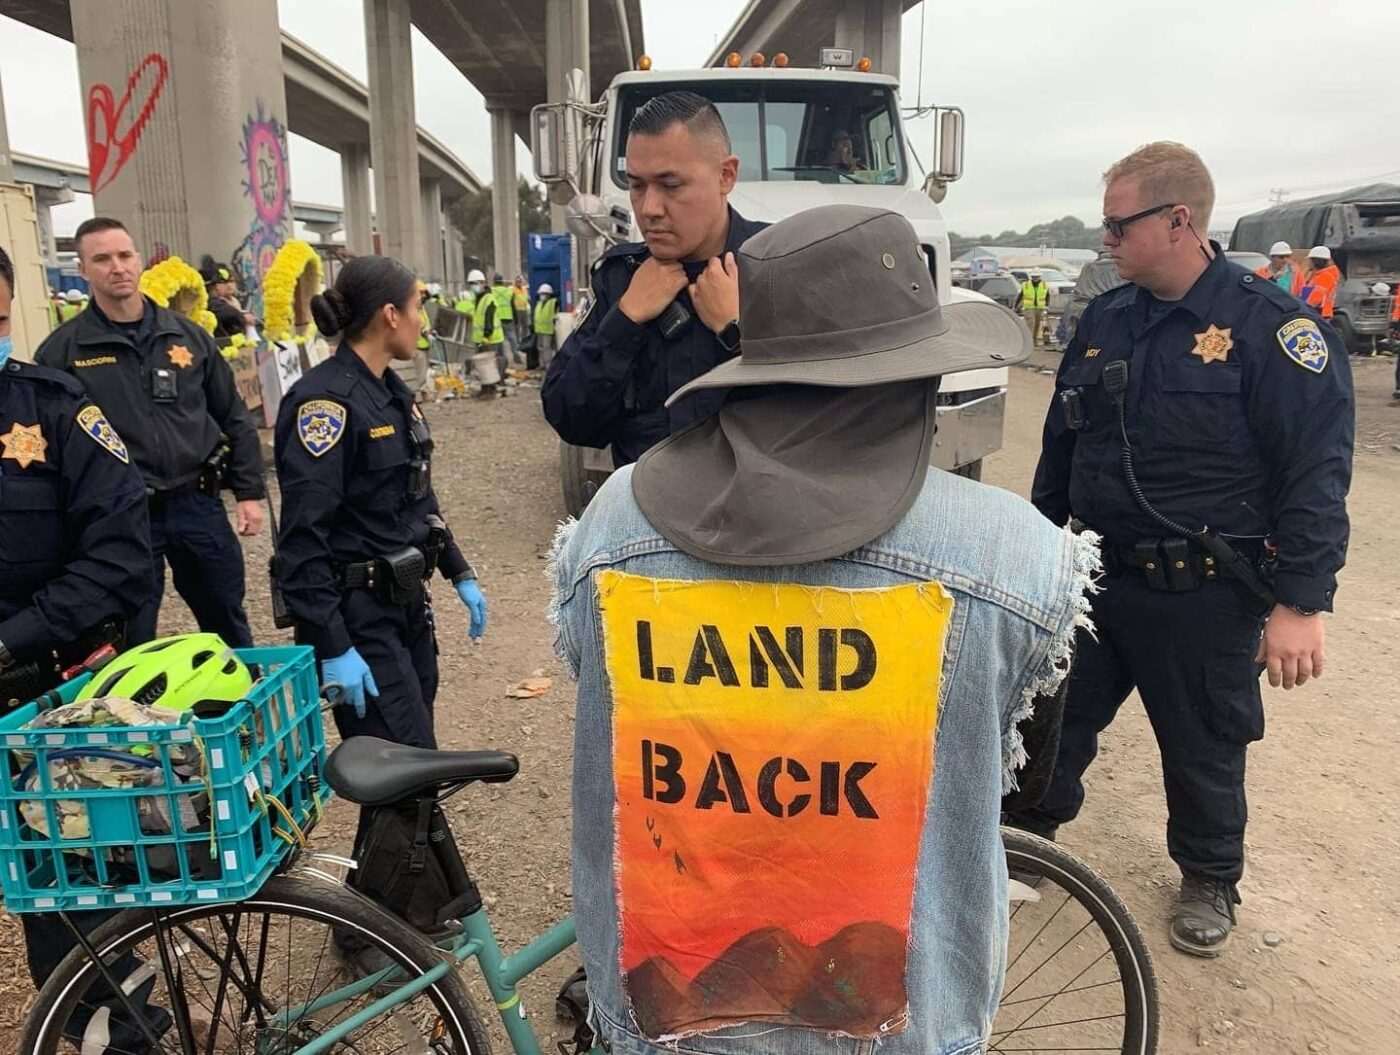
<point>1323,841</point>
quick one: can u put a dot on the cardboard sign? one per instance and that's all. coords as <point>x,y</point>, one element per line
<point>773,752</point>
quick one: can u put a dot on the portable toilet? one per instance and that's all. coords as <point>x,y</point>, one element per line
<point>550,259</point>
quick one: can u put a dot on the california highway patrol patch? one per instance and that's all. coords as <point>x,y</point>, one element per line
<point>320,424</point>
<point>1303,342</point>
<point>92,421</point>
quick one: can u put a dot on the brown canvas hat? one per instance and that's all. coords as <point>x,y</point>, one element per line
<point>833,298</point>
<point>842,296</point>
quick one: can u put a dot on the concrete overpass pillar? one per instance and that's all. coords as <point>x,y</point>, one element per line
<point>871,28</point>
<point>505,195</point>
<point>430,193</point>
<point>354,181</point>
<point>394,131</point>
<point>187,127</point>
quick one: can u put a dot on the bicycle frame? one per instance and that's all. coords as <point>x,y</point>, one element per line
<point>502,973</point>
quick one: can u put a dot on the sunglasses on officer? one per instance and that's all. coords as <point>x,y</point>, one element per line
<point>1115,226</point>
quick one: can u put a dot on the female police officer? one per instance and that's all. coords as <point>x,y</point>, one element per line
<point>361,531</point>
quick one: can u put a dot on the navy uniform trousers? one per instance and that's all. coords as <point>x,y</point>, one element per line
<point>1191,656</point>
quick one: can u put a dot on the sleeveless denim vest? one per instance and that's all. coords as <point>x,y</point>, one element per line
<point>1005,590</point>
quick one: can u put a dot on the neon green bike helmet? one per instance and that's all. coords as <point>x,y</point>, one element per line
<point>174,673</point>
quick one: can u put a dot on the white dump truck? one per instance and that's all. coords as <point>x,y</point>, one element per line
<point>785,123</point>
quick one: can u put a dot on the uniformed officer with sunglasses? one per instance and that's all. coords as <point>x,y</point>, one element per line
<point>1202,423</point>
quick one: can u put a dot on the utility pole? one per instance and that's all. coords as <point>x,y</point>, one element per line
<point>1276,195</point>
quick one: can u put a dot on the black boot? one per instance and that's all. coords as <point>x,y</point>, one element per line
<point>1204,915</point>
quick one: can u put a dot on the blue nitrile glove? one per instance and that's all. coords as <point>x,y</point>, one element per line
<point>346,679</point>
<point>475,600</point>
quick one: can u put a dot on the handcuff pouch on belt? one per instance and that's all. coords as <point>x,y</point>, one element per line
<point>401,575</point>
<point>1168,564</point>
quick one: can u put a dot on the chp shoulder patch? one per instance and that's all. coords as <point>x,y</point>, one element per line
<point>1303,342</point>
<point>320,424</point>
<point>93,422</point>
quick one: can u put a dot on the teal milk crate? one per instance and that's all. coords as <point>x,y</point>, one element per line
<point>221,837</point>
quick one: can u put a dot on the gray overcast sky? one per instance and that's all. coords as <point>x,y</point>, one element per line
<point>1054,92</point>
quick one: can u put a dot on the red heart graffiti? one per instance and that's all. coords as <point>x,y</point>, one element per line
<point>114,128</point>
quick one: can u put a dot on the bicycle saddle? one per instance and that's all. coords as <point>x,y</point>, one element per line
<point>374,772</point>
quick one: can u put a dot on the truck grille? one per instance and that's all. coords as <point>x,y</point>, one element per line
<point>1374,307</point>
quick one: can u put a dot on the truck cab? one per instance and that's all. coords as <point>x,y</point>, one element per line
<point>804,138</point>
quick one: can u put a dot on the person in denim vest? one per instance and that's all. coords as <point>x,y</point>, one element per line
<point>802,658</point>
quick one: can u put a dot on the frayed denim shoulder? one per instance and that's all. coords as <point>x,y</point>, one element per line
<point>1086,568</point>
<point>558,588</point>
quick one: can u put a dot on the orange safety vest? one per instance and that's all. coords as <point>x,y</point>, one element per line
<point>1395,308</point>
<point>1320,289</point>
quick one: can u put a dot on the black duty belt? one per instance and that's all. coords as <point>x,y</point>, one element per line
<point>395,579</point>
<point>1176,565</point>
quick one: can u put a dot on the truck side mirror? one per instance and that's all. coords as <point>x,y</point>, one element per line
<point>548,146</point>
<point>948,146</point>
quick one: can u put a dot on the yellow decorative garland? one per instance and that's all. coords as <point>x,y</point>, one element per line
<point>280,287</point>
<point>174,284</point>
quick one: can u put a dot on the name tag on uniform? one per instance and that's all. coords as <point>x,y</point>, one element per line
<point>379,432</point>
<point>97,360</point>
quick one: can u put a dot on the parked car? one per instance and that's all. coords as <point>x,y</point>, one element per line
<point>1001,287</point>
<point>1248,261</point>
<point>1097,277</point>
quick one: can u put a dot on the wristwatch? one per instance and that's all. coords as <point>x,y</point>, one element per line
<point>728,336</point>
<point>1302,610</point>
<point>463,576</point>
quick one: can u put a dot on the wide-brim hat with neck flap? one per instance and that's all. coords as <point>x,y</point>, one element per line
<point>839,297</point>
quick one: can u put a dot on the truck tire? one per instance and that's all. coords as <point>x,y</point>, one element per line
<point>579,485</point>
<point>972,470</point>
<point>1355,344</point>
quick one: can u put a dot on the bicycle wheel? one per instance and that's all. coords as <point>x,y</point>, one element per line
<point>256,977</point>
<point>1079,977</point>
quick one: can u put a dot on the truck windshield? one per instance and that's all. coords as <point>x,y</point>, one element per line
<point>819,131</point>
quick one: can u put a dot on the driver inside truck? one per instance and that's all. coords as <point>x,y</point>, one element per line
<point>843,154</point>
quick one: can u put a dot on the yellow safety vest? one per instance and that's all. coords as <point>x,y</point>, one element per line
<point>1034,296</point>
<point>545,311</point>
<point>465,305</point>
<point>425,325</point>
<point>504,307</point>
<point>480,335</point>
<point>520,300</point>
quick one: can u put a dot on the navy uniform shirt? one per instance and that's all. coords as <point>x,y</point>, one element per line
<point>343,451</point>
<point>607,386</point>
<point>169,438</point>
<point>74,539</point>
<point>1241,416</point>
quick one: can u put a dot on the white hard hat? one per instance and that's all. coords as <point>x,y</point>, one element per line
<point>73,296</point>
<point>1035,272</point>
<point>545,287</point>
<point>1380,289</point>
<point>1319,252</point>
<point>434,288</point>
<point>1280,249</point>
<point>475,275</point>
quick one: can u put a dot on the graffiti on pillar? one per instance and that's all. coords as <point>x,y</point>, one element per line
<point>160,253</point>
<point>114,126</point>
<point>267,186</point>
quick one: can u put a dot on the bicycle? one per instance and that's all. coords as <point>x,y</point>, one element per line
<point>416,1003</point>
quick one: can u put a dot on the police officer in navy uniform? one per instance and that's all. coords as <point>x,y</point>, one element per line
<point>75,549</point>
<point>1234,403</point>
<point>664,311</point>
<point>171,396</point>
<point>361,530</point>
<point>229,318</point>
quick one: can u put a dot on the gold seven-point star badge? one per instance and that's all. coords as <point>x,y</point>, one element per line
<point>183,358</point>
<point>1214,345</point>
<point>24,444</point>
